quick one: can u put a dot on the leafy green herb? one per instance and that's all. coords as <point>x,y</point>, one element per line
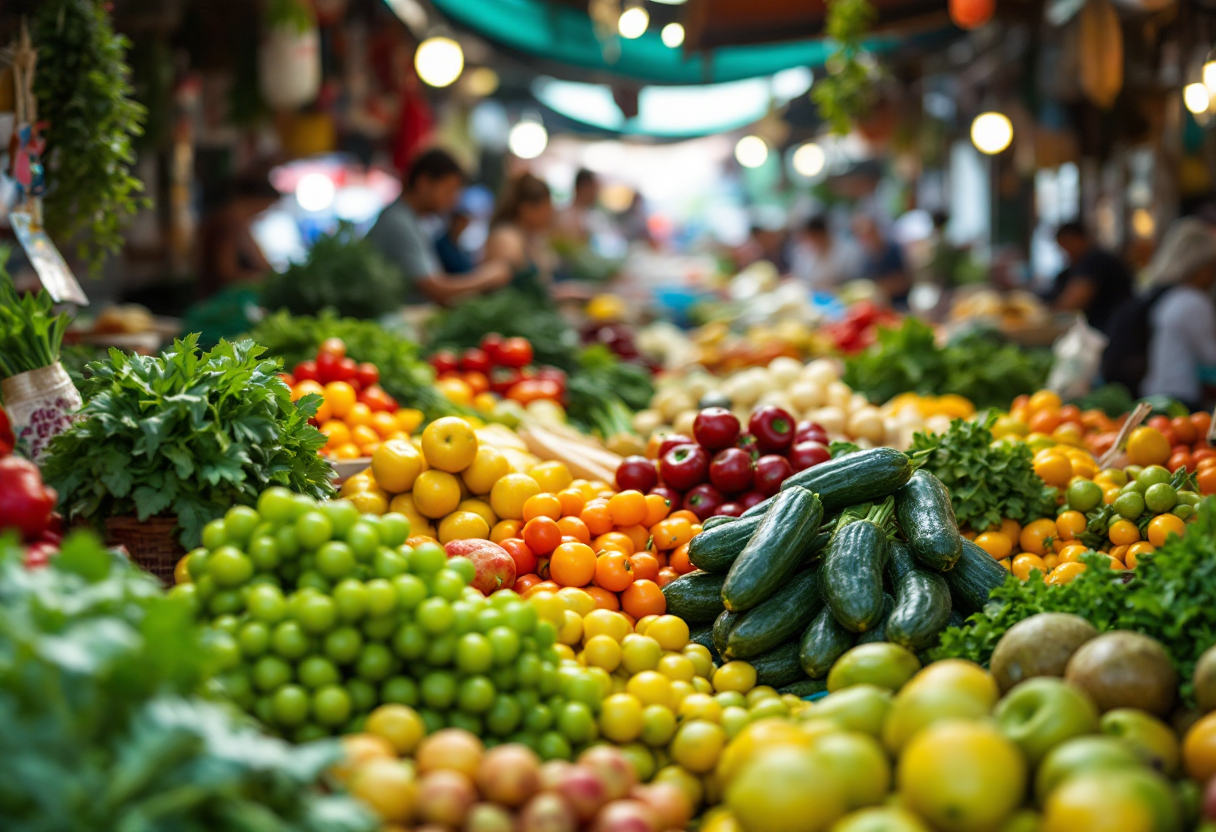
<point>846,91</point>
<point>30,334</point>
<point>1168,596</point>
<point>101,723</point>
<point>977,366</point>
<point>841,448</point>
<point>604,391</point>
<point>509,313</point>
<point>84,95</point>
<point>987,481</point>
<point>185,435</point>
<point>342,272</point>
<point>403,373</point>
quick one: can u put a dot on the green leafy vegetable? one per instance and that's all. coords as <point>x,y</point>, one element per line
<point>604,391</point>
<point>977,366</point>
<point>987,481</point>
<point>30,334</point>
<point>509,313</point>
<point>846,91</point>
<point>84,95</point>
<point>185,435</point>
<point>403,373</point>
<point>100,721</point>
<point>342,272</point>
<point>1168,596</point>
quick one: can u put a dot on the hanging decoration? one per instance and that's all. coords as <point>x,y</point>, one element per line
<point>846,91</point>
<point>971,14</point>
<point>1101,52</point>
<point>289,58</point>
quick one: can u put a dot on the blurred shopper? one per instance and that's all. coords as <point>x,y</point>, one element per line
<point>882,261</point>
<point>1169,333</point>
<point>519,234</point>
<point>432,186</point>
<point>453,258</point>
<point>1096,282</point>
<point>229,253</point>
<point>821,261</point>
<point>576,223</point>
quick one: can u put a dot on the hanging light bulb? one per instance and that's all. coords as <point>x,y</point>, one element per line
<point>809,160</point>
<point>528,139</point>
<point>751,151</point>
<point>439,61</point>
<point>1196,98</point>
<point>633,22</point>
<point>991,132</point>
<point>672,35</point>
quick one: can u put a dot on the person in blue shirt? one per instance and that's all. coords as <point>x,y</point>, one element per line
<point>882,261</point>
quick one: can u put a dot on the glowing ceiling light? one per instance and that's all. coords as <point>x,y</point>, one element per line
<point>481,82</point>
<point>991,132</point>
<point>528,139</point>
<point>315,192</point>
<point>809,160</point>
<point>439,61</point>
<point>1196,98</point>
<point>751,151</point>
<point>670,2</point>
<point>672,35</point>
<point>633,22</point>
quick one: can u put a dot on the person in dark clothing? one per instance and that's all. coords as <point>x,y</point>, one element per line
<point>1096,282</point>
<point>882,261</point>
<point>453,258</point>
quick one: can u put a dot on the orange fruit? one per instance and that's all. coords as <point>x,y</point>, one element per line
<point>1161,526</point>
<point>613,571</point>
<point>542,505</point>
<point>657,507</point>
<point>574,527</point>
<point>572,564</point>
<point>436,494</point>
<point>455,390</point>
<point>627,508</point>
<point>614,540</point>
<point>595,514</point>
<point>1072,553</point>
<point>604,600</point>
<point>489,465</point>
<point>638,535</point>
<point>671,533</point>
<point>408,419</point>
<point>348,450</point>
<point>1147,446</point>
<point>449,444</point>
<point>396,464</point>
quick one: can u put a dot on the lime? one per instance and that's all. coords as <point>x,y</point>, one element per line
<point>474,653</point>
<point>475,695</point>
<point>394,529</point>
<point>381,597</point>
<point>411,590</point>
<point>380,628</point>
<point>213,535</point>
<point>1129,506</point>
<point>225,602</point>
<point>335,560</point>
<point>441,650</point>
<point>400,690</point>
<point>313,529</point>
<point>538,718</point>
<point>553,746</point>
<point>1154,474</point>
<point>264,553</point>
<point>1160,497</point>
<point>228,566</point>
<point>287,542</point>
<point>331,705</point>
<point>577,722</point>
<point>463,567</point>
<point>239,523</point>
<point>363,695</point>
<point>270,673</point>
<point>363,540</point>
<point>350,598</point>
<point>254,639</point>
<point>506,644</point>
<point>466,722</point>
<point>290,706</point>
<point>342,514</point>
<point>388,563</point>
<point>277,505</point>
<point>266,603</point>
<point>488,618</point>
<point>343,645</point>
<point>1084,495</point>
<point>316,672</point>
<point>290,641</point>
<point>438,689</point>
<point>427,559</point>
<point>376,662</point>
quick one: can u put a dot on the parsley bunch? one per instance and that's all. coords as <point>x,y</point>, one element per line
<point>987,482</point>
<point>1168,597</point>
<point>185,435</point>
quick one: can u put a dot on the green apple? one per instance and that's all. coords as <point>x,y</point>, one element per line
<point>920,705</point>
<point>881,819</point>
<point>861,708</point>
<point>878,663</point>
<point>1148,736</point>
<point>1080,756</point>
<point>1041,713</point>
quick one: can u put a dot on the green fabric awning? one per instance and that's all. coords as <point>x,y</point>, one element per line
<point>565,35</point>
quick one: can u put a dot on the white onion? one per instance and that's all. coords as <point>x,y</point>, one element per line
<point>821,370</point>
<point>839,394</point>
<point>806,394</point>
<point>683,422</point>
<point>867,423</point>
<point>832,419</point>
<point>784,369</point>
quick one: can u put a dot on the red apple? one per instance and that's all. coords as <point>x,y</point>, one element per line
<point>716,428</point>
<point>773,429</point>
<point>672,440</point>
<point>807,429</point>
<point>636,473</point>
<point>751,498</point>
<point>807,453</point>
<point>771,471</point>
<point>703,501</point>
<point>495,567</point>
<point>684,466</point>
<point>731,509</point>
<point>673,497</point>
<point>731,471</point>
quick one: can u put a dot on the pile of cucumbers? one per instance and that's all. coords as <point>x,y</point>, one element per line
<point>860,548</point>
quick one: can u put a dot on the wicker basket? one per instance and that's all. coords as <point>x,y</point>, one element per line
<point>151,544</point>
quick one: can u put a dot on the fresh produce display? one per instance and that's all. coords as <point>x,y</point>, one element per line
<point>27,507</point>
<point>184,435</point>
<point>355,413</point>
<point>7,440</point>
<point>30,335</point>
<point>502,367</point>
<point>512,314</point>
<point>977,365</point>
<point>859,327</point>
<point>100,720</point>
<point>898,747</point>
<point>824,566</point>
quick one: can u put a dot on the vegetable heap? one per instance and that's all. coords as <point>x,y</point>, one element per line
<point>185,435</point>
<point>977,366</point>
<point>604,391</point>
<point>511,314</point>
<point>100,723</point>
<point>988,481</point>
<point>1169,597</point>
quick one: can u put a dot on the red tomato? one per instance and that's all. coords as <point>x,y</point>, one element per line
<point>332,346</point>
<point>378,400</point>
<point>327,368</point>
<point>1184,429</point>
<point>367,374</point>
<point>477,381</point>
<point>1159,422</point>
<point>525,582</point>
<point>445,361</point>
<point>1200,454</point>
<point>475,360</point>
<point>531,390</point>
<point>491,345</point>
<point>347,368</point>
<point>552,374</point>
<point>525,558</point>
<point>1202,421</point>
<point>1207,481</point>
<point>305,371</point>
<point>542,535</point>
<point>287,379</point>
<point>502,379</point>
<point>1180,459</point>
<point>516,352</point>
<point>1170,436</point>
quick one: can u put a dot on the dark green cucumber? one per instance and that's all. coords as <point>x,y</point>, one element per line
<point>717,520</point>
<point>973,578</point>
<point>852,575</point>
<point>723,624</point>
<point>715,549</point>
<point>926,518</point>
<point>703,635</point>
<point>781,618</point>
<point>879,633</point>
<point>861,477</point>
<point>779,666</point>
<point>805,687</point>
<point>695,597</point>
<point>900,563</point>
<point>922,607</point>
<point>775,550</point>
<point>956,619</point>
<point>822,644</point>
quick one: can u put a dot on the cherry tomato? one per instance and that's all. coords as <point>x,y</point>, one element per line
<point>1180,459</point>
<point>530,390</point>
<point>332,346</point>
<point>516,352</point>
<point>378,400</point>
<point>327,368</point>
<point>525,558</point>
<point>491,345</point>
<point>552,374</point>
<point>287,379</point>
<point>346,369</point>
<point>445,361</point>
<point>367,374</point>
<point>502,379</point>
<point>475,360</point>
<point>305,371</point>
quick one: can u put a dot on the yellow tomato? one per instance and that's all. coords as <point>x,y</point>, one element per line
<point>1162,526</point>
<point>697,745</point>
<point>372,501</point>
<point>488,467</point>
<point>481,508</point>
<point>607,622</point>
<point>456,391</point>
<point>603,651</point>
<point>1054,469</point>
<point>1045,400</point>
<point>463,525</point>
<point>436,494</point>
<point>651,688</point>
<point>736,676</point>
<point>551,476</point>
<point>1065,573</point>
<point>621,717</point>
<point>1147,446</point>
<point>671,632</point>
<point>340,397</point>
<point>449,444</point>
<point>995,544</point>
<point>1036,537</point>
<point>408,419</point>
<point>509,494</point>
<point>396,465</point>
<point>1024,563</point>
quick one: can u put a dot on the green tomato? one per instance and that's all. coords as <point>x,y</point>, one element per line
<point>410,642</point>
<point>394,529</point>
<point>1084,495</point>
<point>254,639</point>
<point>290,641</point>
<point>214,535</point>
<point>466,722</point>
<point>520,616</point>
<point>287,542</point>
<point>475,695</point>
<point>554,746</point>
<point>264,553</point>
<point>196,563</point>
<point>270,673</point>
<point>427,559</point>
<point>226,623</point>
<point>225,602</point>
<point>505,678</point>
<point>335,560</point>
<point>266,603</point>
<point>1160,497</point>
<point>277,505</point>
<point>400,690</point>
<point>331,705</point>
<point>187,594</point>
<point>538,718</point>
<point>376,663</point>
<point>447,585</point>
<point>583,687</point>
<point>490,617</point>
<point>441,650</point>
<point>463,567</point>
<point>316,672</point>
<point>290,705</point>
<point>1189,498</point>
<point>263,709</point>
<point>239,523</point>
<point>380,628</point>
<point>438,689</point>
<point>528,670</point>
<point>504,716</point>
<point>342,514</point>
<point>313,529</point>
<point>1154,474</point>
<point>474,653</point>
<point>363,540</point>
<point>506,644</point>
<point>577,722</point>
<point>350,598</point>
<point>466,617</point>
<point>545,634</point>
<point>1132,471</point>
<point>309,732</point>
<point>388,563</point>
<point>344,644</point>
<point>1183,512</point>
<point>223,650</point>
<point>411,591</point>
<point>316,613</point>
<point>311,579</point>
<point>237,686</point>
<point>432,720</point>
<point>435,615</point>
<point>229,567</point>
<point>1129,506</point>
<point>549,682</point>
<point>381,597</point>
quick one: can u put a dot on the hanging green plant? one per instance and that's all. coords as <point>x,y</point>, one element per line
<point>84,95</point>
<point>844,94</point>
